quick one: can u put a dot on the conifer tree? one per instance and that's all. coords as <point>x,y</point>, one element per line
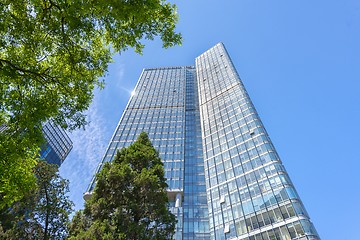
<point>129,200</point>
<point>43,213</point>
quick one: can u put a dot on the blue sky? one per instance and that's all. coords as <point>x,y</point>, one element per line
<point>300,62</point>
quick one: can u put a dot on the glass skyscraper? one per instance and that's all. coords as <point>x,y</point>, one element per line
<point>58,144</point>
<point>225,179</point>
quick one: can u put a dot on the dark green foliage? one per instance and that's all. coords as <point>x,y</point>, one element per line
<point>53,53</point>
<point>129,200</point>
<point>42,213</point>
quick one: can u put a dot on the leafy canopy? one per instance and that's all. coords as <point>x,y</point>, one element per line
<point>129,200</point>
<point>53,54</point>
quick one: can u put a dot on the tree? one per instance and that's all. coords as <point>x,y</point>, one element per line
<point>53,54</point>
<point>129,200</point>
<point>42,213</point>
<point>16,168</point>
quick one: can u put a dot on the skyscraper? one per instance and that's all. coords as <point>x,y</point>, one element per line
<point>58,144</point>
<point>225,179</point>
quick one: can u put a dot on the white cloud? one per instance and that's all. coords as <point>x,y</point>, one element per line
<point>88,148</point>
<point>90,145</point>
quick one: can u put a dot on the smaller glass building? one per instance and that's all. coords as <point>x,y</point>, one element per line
<point>58,144</point>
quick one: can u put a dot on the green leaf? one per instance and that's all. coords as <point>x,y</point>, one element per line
<point>129,200</point>
<point>53,54</point>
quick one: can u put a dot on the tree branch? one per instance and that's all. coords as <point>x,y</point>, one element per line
<point>42,77</point>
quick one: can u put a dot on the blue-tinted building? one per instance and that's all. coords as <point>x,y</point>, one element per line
<point>58,144</point>
<point>226,180</point>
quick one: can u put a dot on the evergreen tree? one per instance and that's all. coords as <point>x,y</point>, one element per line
<point>42,213</point>
<point>129,200</point>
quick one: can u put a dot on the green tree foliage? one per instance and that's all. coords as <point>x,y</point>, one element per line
<point>53,54</point>
<point>16,168</point>
<point>129,200</point>
<point>42,213</point>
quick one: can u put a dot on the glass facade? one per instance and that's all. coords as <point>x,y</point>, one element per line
<point>58,144</point>
<point>225,179</point>
<point>249,193</point>
<point>196,220</point>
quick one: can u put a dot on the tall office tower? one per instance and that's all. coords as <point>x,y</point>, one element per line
<point>58,144</point>
<point>225,179</point>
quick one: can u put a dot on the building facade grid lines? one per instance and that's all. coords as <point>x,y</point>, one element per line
<point>225,178</point>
